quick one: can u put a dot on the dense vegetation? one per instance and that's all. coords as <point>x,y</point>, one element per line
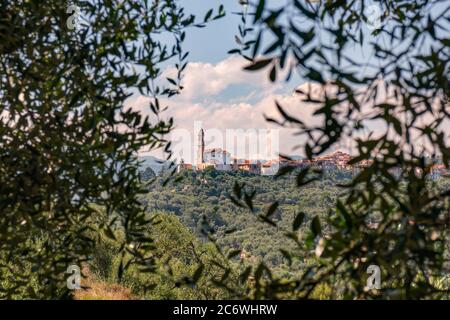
<point>68,139</point>
<point>202,202</point>
<point>71,191</point>
<point>200,221</point>
<point>404,86</point>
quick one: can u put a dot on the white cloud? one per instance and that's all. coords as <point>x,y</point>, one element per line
<point>238,115</point>
<point>202,80</point>
<point>202,101</point>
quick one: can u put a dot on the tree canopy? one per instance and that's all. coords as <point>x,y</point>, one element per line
<point>69,140</point>
<point>404,86</point>
<point>69,172</point>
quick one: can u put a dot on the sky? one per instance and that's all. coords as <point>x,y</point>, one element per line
<point>220,97</point>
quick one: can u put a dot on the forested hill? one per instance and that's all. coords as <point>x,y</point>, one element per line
<point>206,195</point>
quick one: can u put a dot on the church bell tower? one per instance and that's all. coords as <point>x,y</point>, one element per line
<point>201,148</point>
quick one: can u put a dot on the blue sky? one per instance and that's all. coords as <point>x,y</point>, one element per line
<point>212,43</point>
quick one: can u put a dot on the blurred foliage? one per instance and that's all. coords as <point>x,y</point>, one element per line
<point>279,243</point>
<point>68,137</point>
<point>390,215</point>
<point>200,226</point>
<point>71,191</point>
<point>184,267</point>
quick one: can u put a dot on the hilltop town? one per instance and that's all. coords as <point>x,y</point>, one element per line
<point>221,160</point>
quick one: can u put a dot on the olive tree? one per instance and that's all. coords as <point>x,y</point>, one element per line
<point>391,215</point>
<point>70,136</point>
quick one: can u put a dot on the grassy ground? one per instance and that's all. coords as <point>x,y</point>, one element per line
<point>94,289</point>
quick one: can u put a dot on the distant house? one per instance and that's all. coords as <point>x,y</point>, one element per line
<point>184,166</point>
<point>250,167</point>
<point>336,160</point>
<point>270,168</point>
<point>221,160</point>
<point>216,156</point>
